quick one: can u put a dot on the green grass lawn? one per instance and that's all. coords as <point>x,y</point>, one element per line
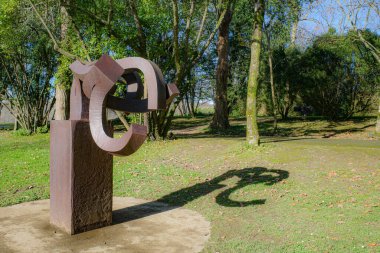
<point>313,194</point>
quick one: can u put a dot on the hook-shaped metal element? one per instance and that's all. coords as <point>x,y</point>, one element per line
<point>92,90</point>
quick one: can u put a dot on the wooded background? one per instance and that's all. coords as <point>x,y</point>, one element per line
<point>243,56</point>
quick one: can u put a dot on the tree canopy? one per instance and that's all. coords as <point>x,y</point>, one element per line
<point>333,74</point>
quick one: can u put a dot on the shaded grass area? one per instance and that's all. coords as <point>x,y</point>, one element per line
<point>360,127</point>
<point>308,195</point>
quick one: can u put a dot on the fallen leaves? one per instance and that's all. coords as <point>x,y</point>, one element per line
<point>332,174</point>
<point>356,178</point>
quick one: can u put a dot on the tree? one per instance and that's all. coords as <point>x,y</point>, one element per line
<point>186,59</point>
<point>27,66</point>
<point>27,74</point>
<point>276,30</point>
<point>29,95</point>
<point>62,89</point>
<point>239,44</point>
<point>253,137</point>
<point>351,10</point>
<point>49,22</point>
<point>220,118</point>
<point>286,77</point>
<point>174,34</point>
<point>345,83</point>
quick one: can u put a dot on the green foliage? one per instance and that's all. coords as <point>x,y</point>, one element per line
<point>27,65</point>
<point>279,16</point>
<point>22,132</point>
<point>63,75</point>
<point>286,77</point>
<point>336,76</point>
<point>42,129</point>
<point>339,76</point>
<point>102,26</point>
<point>9,14</point>
<point>239,43</point>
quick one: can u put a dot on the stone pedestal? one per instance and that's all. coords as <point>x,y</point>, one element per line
<point>139,226</point>
<point>80,178</point>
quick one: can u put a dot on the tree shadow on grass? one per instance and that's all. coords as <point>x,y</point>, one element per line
<point>287,132</point>
<point>247,176</point>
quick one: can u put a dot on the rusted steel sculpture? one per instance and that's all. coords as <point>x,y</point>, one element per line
<point>81,148</point>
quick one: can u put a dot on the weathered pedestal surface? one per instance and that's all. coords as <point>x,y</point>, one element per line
<point>139,226</point>
<point>80,178</point>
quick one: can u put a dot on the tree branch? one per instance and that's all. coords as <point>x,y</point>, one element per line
<point>175,35</point>
<point>202,23</point>
<point>140,31</point>
<point>110,12</point>
<point>187,29</point>
<point>56,45</point>
<point>208,42</point>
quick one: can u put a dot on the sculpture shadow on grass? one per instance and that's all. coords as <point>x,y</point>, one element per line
<point>247,176</point>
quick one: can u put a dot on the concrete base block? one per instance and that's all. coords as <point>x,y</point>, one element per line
<point>138,226</point>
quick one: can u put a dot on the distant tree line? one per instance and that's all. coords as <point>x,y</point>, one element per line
<point>335,77</point>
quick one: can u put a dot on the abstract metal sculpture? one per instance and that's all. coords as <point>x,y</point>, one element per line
<point>81,148</point>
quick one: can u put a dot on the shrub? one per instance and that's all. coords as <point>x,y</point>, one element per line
<point>22,132</point>
<point>42,129</point>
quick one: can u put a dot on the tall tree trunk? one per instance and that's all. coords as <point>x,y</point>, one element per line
<point>61,90</point>
<point>272,87</point>
<point>253,137</point>
<point>293,34</point>
<point>220,119</point>
<point>273,93</point>
<point>62,102</point>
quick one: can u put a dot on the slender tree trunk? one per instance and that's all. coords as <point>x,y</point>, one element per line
<point>271,77</point>
<point>220,119</point>
<point>274,105</point>
<point>253,137</point>
<point>62,93</point>
<point>288,101</point>
<point>15,126</point>
<point>122,119</point>
<point>188,105</point>
<point>142,51</point>
<point>146,121</point>
<point>293,34</point>
<point>192,99</point>
<point>180,109</point>
<point>161,120</point>
<point>192,106</point>
<point>378,119</point>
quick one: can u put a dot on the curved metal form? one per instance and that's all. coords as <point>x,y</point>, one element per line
<point>92,90</point>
